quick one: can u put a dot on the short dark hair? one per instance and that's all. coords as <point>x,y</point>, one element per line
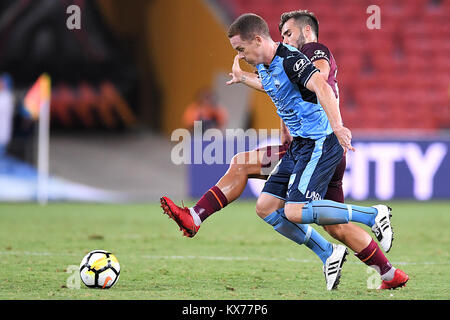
<point>302,17</point>
<point>247,26</point>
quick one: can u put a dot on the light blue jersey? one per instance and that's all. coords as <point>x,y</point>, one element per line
<point>285,80</point>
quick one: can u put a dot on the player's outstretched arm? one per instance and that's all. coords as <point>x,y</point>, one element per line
<point>239,76</point>
<point>329,103</point>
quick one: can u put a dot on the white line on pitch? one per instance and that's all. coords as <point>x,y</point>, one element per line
<point>192,257</point>
<point>273,259</point>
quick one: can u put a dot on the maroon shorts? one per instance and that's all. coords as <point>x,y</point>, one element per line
<point>273,155</point>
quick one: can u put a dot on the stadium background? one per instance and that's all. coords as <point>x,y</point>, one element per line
<point>121,83</point>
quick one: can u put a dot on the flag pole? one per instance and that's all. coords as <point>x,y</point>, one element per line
<point>43,153</point>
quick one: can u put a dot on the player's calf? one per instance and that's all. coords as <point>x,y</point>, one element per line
<point>332,256</point>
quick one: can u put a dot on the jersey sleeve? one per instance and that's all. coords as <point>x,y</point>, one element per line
<point>299,69</point>
<point>316,51</point>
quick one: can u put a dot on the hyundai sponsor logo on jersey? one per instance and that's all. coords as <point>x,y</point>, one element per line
<point>379,169</point>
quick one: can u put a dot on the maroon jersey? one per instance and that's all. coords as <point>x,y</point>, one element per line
<point>316,51</point>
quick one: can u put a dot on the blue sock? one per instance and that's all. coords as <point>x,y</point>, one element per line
<point>300,233</point>
<point>325,212</point>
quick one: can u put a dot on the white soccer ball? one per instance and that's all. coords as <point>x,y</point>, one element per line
<point>99,269</point>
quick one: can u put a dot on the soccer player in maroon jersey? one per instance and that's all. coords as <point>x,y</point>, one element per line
<point>299,29</point>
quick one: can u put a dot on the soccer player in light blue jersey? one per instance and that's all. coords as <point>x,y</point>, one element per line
<point>319,137</point>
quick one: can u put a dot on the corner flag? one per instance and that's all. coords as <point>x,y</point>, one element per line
<point>37,104</point>
<point>37,96</point>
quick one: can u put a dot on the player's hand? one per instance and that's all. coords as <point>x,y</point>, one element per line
<point>344,136</point>
<point>236,72</point>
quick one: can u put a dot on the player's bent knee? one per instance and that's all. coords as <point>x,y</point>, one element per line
<point>239,164</point>
<point>293,212</point>
<point>290,213</point>
<point>245,163</point>
<point>261,210</point>
<point>263,207</point>
<point>266,204</point>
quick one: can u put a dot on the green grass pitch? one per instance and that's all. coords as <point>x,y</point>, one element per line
<point>234,256</point>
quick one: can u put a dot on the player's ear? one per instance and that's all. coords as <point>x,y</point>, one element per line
<point>258,40</point>
<point>306,30</point>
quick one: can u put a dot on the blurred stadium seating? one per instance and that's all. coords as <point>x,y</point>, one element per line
<point>95,80</point>
<point>396,77</point>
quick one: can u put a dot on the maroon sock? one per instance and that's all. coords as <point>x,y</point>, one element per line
<point>213,200</point>
<point>373,256</point>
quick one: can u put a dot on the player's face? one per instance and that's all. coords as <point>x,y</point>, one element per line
<point>247,50</point>
<point>292,34</point>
